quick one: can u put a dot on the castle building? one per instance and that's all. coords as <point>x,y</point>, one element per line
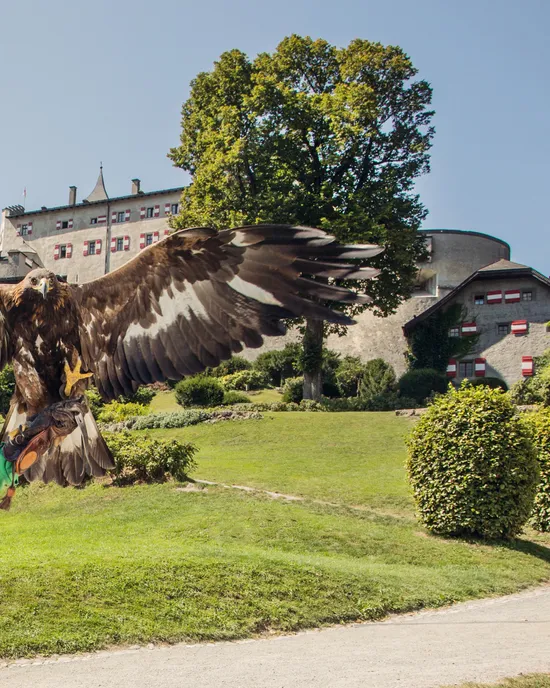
<point>82,241</point>
<point>507,305</point>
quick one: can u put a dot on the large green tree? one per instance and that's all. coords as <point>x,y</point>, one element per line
<point>316,135</point>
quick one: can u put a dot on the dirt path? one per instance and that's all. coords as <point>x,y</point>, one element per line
<point>482,641</point>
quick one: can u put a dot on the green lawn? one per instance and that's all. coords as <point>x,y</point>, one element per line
<point>533,681</point>
<point>349,458</point>
<point>166,401</point>
<point>87,568</point>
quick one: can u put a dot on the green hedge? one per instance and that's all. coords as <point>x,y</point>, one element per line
<point>422,383</point>
<point>472,465</point>
<point>199,391</point>
<point>539,423</point>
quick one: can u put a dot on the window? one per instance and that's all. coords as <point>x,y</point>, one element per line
<point>466,368</point>
<point>91,248</point>
<point>120,244</point>
<point>479,299</point>
<point>93,221</point>
<point>120,216</point>
<point>63,251</point>
<point>527,296</point>
<point>175,208</point>
<point>454,332</point>
<point>150,212</point>
<point>24,230</point>
<point>148,239</point>
<point>503,328</point>
<point>65,224</point>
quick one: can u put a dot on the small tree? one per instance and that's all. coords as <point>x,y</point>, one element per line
<point>378,379</point>
<point>472,465</point>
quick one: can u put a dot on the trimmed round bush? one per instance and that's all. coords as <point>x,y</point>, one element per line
<point>293,391</point>
<point>143,395</point>
<point>232,365</point>
<point>199,391</point>
<point>539,422</point>
<point>235,397</point>
<point>116,411</point>
<point>420,384</point>
<point>472,465</point>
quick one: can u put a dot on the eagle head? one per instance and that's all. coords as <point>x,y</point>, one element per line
<point>39,283</point>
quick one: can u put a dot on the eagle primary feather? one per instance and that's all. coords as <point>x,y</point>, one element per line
<point>185,303</point>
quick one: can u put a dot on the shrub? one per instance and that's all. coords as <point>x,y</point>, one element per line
<point>420,384</point>
<point>535,389</point>
<point>234,397</point>
<point>244,380</point>
<point>199,391</point>
<point>115,411</point>
<point>139,459</point>
<point>539,423</point>
<point>172,419</point>
<point>378,379</point>
<point>277,366</point>
<point>7,388</point>
<point>492,382</point>
<point>472,465</point>
<point>349,374</point>
<point>331,389</point>
<point>232,365</point>
<point>143,395</point>
<point>293,390</point>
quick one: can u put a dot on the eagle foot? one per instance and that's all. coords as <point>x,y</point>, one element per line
<point>72,377</point>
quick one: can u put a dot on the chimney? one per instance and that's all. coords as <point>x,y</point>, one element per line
<point>72,195</point>
<point>136,187</point>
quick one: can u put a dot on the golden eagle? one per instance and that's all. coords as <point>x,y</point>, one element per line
<point>185,303</point>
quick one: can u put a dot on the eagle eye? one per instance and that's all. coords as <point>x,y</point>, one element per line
<point>34,280</point>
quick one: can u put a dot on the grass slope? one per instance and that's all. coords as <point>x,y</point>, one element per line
<point>349,458</point>
<point>84,569</point>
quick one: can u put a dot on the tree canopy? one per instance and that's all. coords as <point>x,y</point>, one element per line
<point>317,135</point>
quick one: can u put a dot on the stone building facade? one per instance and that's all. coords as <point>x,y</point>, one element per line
<point>82,241</point>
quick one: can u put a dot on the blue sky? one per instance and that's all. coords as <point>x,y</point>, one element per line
<point>84,82</point>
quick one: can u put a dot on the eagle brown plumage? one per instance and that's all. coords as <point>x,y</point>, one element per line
<point>185,303</point>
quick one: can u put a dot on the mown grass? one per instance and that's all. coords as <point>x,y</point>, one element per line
<point>532,681</point>
<point>349,458</point>
<point>84,569</point>
<point>166,401</point>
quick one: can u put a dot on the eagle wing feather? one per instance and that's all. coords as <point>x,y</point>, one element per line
<point>196,297</point>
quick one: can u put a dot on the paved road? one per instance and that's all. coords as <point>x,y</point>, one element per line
<point>482,641</point>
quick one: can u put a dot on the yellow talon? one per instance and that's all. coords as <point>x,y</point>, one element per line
<point>16,431</point>
<point>73,376</point>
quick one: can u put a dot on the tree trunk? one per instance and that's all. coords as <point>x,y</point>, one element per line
<point>313,359</point>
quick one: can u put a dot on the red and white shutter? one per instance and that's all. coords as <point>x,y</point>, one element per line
<point>113,244</point>
<point>56,252</point>
<point>18,230</point>
<point>142,213</point>
<point>69,252</point>
<point>29,228</point>
<point>166,232</point>
<point>479,367</point>
<point>85,251</point>
<point>494,296</point>
<point>520,327</point>
<point>167,208</point>
<point>70,224</point>
<point>468,328</point>
<point>527,367</point>
<point>127,216</point>
<point>451,368</point>
<point>156,237</point>
<point>126,243</point>
<point>98,247</point>
<point>156,212</point>
<point>113,217</point>
<point>512,296</point>
<point>58,224</point>
<point>101,219</point>
<point>142,240</point>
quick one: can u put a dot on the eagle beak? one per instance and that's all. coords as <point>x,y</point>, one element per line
<point>44,287</point>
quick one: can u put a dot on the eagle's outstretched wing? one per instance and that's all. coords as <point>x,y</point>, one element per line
<point>198,296</point>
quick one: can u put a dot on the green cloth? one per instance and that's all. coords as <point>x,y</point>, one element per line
<point>6,470</point>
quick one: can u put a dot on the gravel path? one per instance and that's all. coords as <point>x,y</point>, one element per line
<point>482,641</point>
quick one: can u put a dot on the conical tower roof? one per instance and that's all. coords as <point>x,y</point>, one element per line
<point>100,192</point>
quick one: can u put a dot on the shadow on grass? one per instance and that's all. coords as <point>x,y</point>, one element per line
<point>528,547</point>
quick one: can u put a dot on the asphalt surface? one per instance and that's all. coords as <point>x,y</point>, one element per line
<point>477,641</point>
